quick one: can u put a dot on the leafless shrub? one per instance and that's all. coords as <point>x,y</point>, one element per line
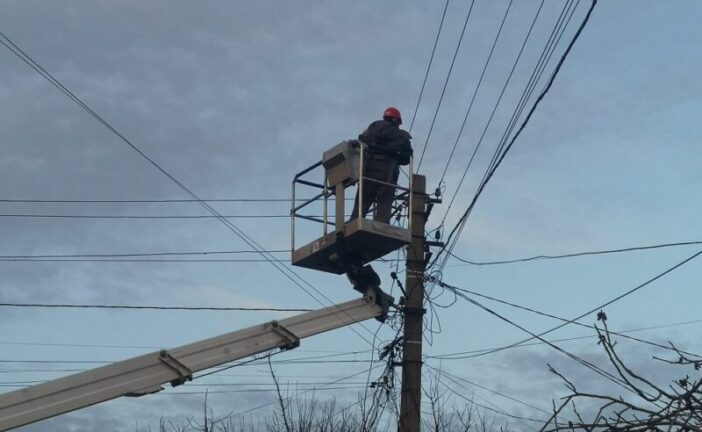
<point>676,407</point>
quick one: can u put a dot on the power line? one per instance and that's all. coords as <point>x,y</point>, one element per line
<point>576,254</point>
<point>287,362</point>
<point>142,201</point>
<point>76,216</point>
<point>471,401</point>
<point>297,394</point>
<point>545,56</point>
<point>171,308</point>
<point>139,254</point>
<point>497,103</point>
<point>593,310</point>
<point>451,241</point>
<point>291,275</point>
<point>526,94</point>
<point>137,260</point>
<point>215,384</point>
<point>320,359</point>
<point>317,357</point>
<point>458,355</point>
<point>480,81</point>
<point>448,77</point>
<point>446,356</point>
<point>549,49</point>
<point>185,393</point>
<point>556,317</point>
<point>493,391</point>
<point>603,373</point>
<point>431,60</point>
<point>153,347</point>
<point>65,345</point>
<point>158,260</point>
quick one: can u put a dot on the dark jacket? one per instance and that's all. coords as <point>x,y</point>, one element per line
<point>386,140</point>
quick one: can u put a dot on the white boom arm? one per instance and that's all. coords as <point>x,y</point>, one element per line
<point>145,374</point>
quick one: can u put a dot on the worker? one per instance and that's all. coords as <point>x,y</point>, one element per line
<point>388,147</point>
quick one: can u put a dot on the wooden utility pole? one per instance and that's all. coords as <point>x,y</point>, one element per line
<point>410,405</point>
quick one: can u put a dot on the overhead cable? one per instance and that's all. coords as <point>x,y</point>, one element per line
<point>456,231</point>
<point>431,60</point>
<point>461,355</point>
<point>480,81</point>
<point>526,94</point>
<point>494,109</point>
<point>141,254</point>
<point>549,49</point>
<point>589,312</point>
<point>488,389</point>
<point>472,402</point>
<point>556,317</point>
<point>446,81</point>
<point>603,373</point>
<point>576,254</point>
<point>170,308</point>
<point>290,274</point>
<point>78,216</point>
<point>141,201</point>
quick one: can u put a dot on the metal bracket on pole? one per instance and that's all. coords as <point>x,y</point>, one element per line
<point>434,243</point>
<point>414,311</point>
<point>291,341</point>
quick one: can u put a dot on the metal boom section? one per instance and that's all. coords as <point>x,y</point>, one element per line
<point>147,373</point>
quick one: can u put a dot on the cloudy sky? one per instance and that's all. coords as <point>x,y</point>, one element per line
<point>234,98</point>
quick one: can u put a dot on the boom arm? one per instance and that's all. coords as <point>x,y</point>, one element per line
<point>145,374</point>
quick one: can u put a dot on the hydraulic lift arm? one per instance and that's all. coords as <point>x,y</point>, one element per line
<point>145,374</point>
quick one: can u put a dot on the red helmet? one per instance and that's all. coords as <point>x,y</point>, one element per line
<point>393,113</point>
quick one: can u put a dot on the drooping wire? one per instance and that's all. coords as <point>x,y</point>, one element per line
<point>77,216</point>
<point>297,394</point>
<point>480,81</point>
<point>488,389</point>
<point>139,254</point>
<point>575,254</point>
<point>494,110</point>
<point>165,308</point>
<point>530,86</point>
<point>565,320</point>
<point>459,355</point>
<point>448,77</point>
<point>290,274</point>
<point>431,60</point>
<point>549,49</point>
<point>486,407</point>
<point>143,201</point>
<point>456,231</point>
<point>603,373</point>
<point>589,312</point>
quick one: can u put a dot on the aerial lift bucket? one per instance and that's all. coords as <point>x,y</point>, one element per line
<point>352,243</point>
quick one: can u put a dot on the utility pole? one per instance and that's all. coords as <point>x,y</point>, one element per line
<point>410,405</point>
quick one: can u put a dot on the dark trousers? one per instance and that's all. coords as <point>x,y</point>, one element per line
<point>380,194</point>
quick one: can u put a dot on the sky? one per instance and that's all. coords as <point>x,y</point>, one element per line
<point>234,98</point>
